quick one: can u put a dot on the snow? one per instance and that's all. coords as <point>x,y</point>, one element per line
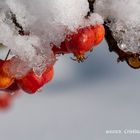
<point>125,21</point>
<point>47,22</point>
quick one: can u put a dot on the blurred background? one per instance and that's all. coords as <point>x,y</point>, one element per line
<point>81,103</point>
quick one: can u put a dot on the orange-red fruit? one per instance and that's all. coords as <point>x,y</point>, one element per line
<point>5,100</point>
<point>81,42</point>
<point>30,83</point>
<point>99,32</point>
<point>5,79</point>
<point>84,40</point>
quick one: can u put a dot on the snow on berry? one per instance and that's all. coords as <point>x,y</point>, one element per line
<point>29,27</point>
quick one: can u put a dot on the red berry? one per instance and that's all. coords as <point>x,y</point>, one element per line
<point>80,42</point>
<point>99,31</point>
<point>7,95</point>
<point>5,100</point>
<point>84,40</point>
<point>5,79</point>
<point>30,83</point>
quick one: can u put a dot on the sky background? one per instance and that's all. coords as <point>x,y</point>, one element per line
<point>81,103</point>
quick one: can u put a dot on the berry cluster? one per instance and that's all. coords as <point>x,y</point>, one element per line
<point>78,43</point>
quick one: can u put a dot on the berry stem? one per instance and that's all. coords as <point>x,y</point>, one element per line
<point>7,55</point>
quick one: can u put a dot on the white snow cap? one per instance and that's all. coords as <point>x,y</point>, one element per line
<point>48,21</point>
<point>125,17</point>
